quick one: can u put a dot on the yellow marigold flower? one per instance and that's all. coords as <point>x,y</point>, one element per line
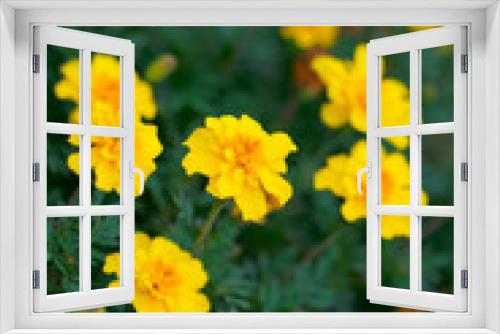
<point>105,111</point>
<point>161,67</point>
<point>242,162</point>
<point>345,82</point>
<point>105,157</point>
<point>105,91</point>
<point>304,77</point>
<point>167,278</point>
<point>339,176</point>
<point>312,36</point>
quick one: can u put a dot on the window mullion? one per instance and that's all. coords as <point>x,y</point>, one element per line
<point>415,161</point>
<point>85,172</point>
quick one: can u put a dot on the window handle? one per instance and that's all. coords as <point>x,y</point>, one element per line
<point>138,171</point>
<point>360,175</point>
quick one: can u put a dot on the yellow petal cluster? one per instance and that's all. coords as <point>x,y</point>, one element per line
<point>167,278</point>
<point>339,177</point>
<point>308,37</point>
<point>105,111</point>
<point>242,162</point>
<point>345,82</point>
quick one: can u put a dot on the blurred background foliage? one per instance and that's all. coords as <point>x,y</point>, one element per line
<point>305,257</point>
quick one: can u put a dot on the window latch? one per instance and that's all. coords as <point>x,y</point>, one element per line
<point>362,171</point>
<point>138,171</point>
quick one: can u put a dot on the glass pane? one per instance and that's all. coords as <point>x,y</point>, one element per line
<point>394,90</point>
<point>105,251</point>
<point>394,172</point>
<point>63,84</point>
<point>63,169</point>
<point>395,251</point>
<point>437,254</point>
<point>63,255</point>
<point>105,90</point>
<point>437,169</point>
<point>105,161</point>
<point>437,84</point>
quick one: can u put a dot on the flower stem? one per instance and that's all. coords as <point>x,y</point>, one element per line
<point>315,252</point>
<point>323,246</point>
<point>209,223</point>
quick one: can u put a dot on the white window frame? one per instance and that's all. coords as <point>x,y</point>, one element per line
<point>16,20</point>
<point>86,44</point>
<point>413,43</point>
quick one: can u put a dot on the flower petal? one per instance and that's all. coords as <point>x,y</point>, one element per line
<point>276,186</point>
<point>252,203</point>
<point>112,264</point>
<point>354,208</point>
<point>395,226</point>
<point>277,147</point>
<point>146,302</point>
<point>201,159</point>
<point>334,115</point>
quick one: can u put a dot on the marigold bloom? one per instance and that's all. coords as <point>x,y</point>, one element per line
<point>105,91</point>
<point>312,36</point>
<point>339,176</point>
<point>345,82</point>
<point>167,278</point>
<point>304,77</point>
<point>242,162</point>
<point>105,111</point>
<point>161,67</point>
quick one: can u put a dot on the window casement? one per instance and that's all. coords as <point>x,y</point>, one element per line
<point>415,209</point>
<point>84,210</point>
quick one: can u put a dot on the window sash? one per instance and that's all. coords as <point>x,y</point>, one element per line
<point>414,297</point>
<point>86,43</point>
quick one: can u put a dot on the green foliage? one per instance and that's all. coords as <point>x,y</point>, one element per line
<point>62,255</point>
<point>305,257</point>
